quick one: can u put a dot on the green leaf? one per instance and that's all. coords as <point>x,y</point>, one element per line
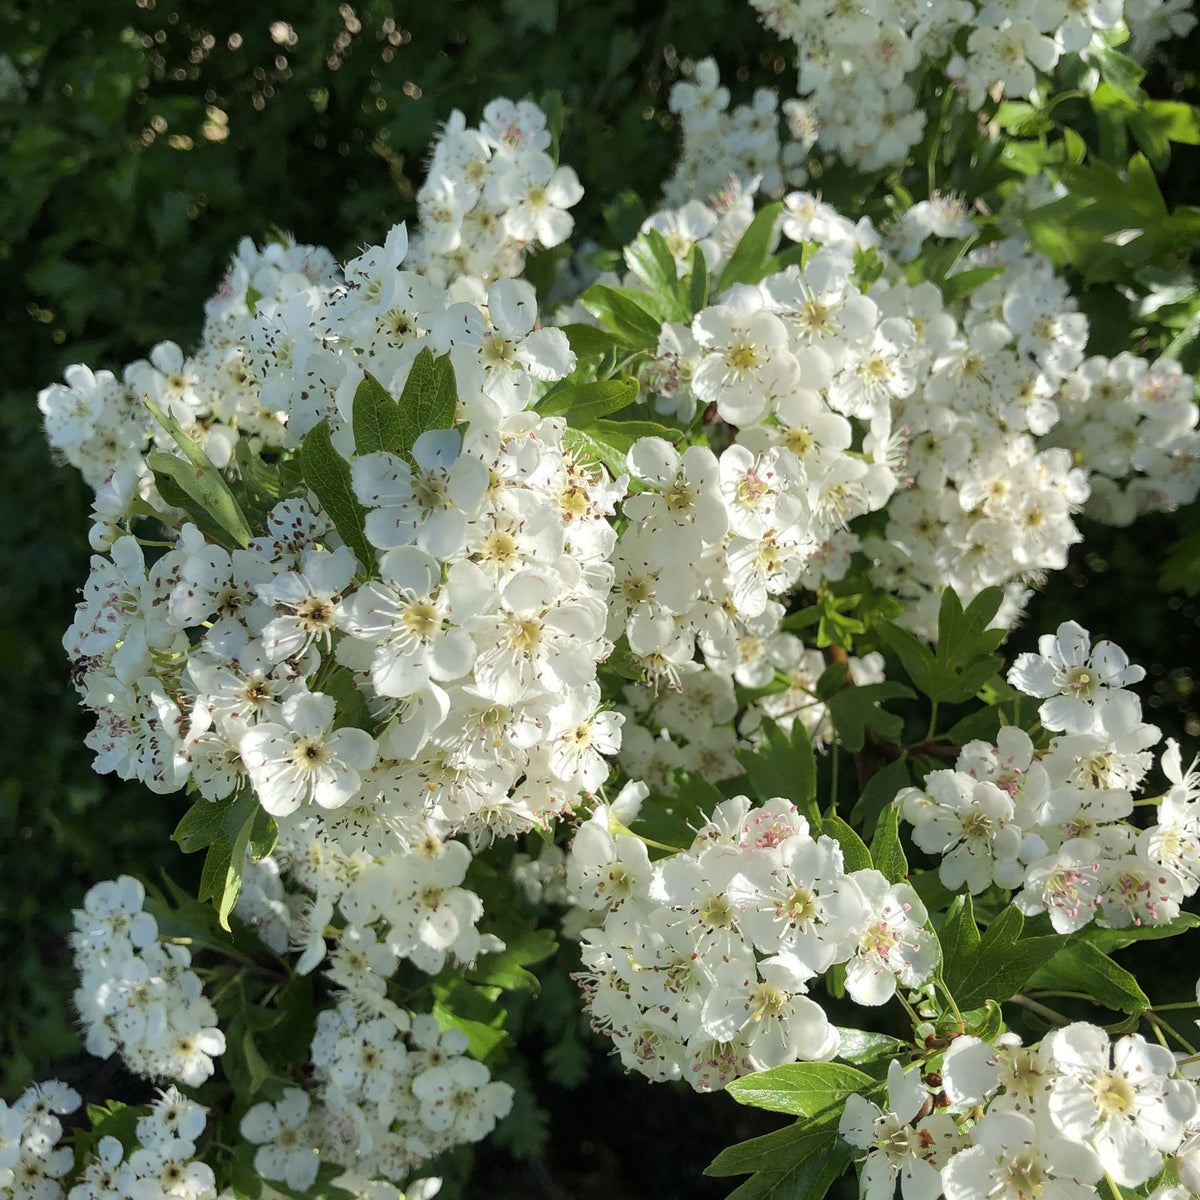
<point>856,709</point>
<point>854,850</point>
<point>609,442</point>
<point>861,1047</point>
<point>264,835</point>
<point>1001,963</point>
<point>525,1131</point>
<point>1082,966</point>
<point>376,418</point>
<point>587,341</point>
<point>506,968</point>
<point>784,766</point>
<point>749,261</point>
<point>886,851</point>
<point>429,399</point>
<point>1180,572</point>
<point>115,1119</point>
<point>262,484</point>
<point>800,1162</point>
<point>257,1067</point>
<point>811,1180</point>
<point>568,1061</point>
<point>1108,940</point>
<point>195,481</point>
<point>984,1022</point>
<point>625,313</point>
<point>963,283</point>
<point>959,938</point>
<point>202,824</point>
<point>245,1182</point>
<point>221,876</point>
<point>349,699</point>
<point>983,725</point>
<point>1121,71</point>
<point>782,1150</point>
<point>696,281</point>
<point>804,1089</point>
<point>650,259</point>
<point>458,1005</point>
<point>963,661</point>
<point>832,680</point>
<point>934,894</point>
<point>879,793</point>
<point>328,474</point>
<point>585,403</point>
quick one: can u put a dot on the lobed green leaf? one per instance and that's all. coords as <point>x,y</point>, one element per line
<point>328,474</point>
<point>750,261</point>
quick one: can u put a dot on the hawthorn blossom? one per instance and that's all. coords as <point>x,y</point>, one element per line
<point>305,760</point>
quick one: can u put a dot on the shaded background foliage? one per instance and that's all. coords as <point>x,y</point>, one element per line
<point>155,136</point>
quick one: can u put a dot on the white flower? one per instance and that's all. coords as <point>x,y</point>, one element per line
<point>1011,1159</point>
<point>429,506</point>
<point>1082,681</point>
<point>306,760</point>
<point>306,602</point>
<point>891,941</point>
<point>748,358</point>
<point>536,195</point>
<point>1120,1099</point>
<point>684,504</point>
<point>281,1131</point>
<point>970,823</point>
<point>894,1145</point>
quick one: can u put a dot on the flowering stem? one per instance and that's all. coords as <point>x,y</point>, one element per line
<point>1178,1004</point>
<point>932,721</point>
<point>1112,1187</point>
<point>914,1017</point>
<point>935,145</point>
<point>953,1006</point>
<point>1042,1010</point>
<point>617,827</point>
<point>933,749</point>
<point>228,952</point>
<point>1160,1025</point>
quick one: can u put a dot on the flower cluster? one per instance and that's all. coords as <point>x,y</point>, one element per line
<point>281,332</point>
<point>1052,825</point>
<point>737,146</point>
<point>692,728</point>
<point>863,66</point>
<point>1056,1118</point>
<point>31,1160</point>
<point>397,903</point>
<point>1130,421</point>
<point>476,639</point>
<point>847,399</point>
<point>392,1092</point>
<point>99,424</point>
<point>698,965</point>
<point>490,196</point>
<point>136,993</point>
<point>164,1163</point>
<point>395,1094</point>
